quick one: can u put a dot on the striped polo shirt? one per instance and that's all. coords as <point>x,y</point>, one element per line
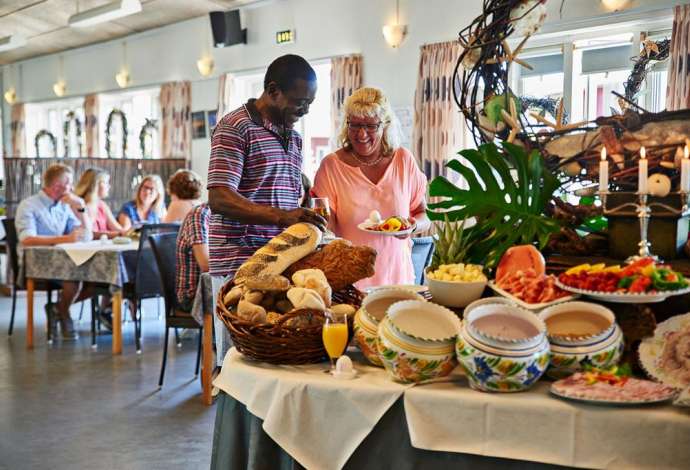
<point>251,156</point>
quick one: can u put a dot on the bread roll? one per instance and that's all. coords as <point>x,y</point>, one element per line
<point>343,309</point>
<point>314,279</point>
<point>293,244</point>
<point>250,312</point>
<point>267,283</point>
<point>305,298</point>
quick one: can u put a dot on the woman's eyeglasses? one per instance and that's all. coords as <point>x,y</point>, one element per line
<point>370,128</point>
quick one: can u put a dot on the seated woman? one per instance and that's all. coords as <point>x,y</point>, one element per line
<point>184,188</point>
<point>372,172</point>
<point>147,207</point>
<point>191,254</point>
<point>93,187</point>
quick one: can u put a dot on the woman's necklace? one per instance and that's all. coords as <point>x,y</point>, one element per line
<point>365,162</point>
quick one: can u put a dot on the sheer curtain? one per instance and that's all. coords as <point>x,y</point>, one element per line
<point>439,130</point>
<point>91,125</point>
<point>346,77</point>
<point>226,95</point>
<point>176,120</point>
<point>18,134</point>
<point>678,88</point>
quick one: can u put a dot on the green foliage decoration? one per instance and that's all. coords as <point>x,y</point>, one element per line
<point>508,190</point>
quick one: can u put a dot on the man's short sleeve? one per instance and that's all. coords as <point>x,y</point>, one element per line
<point>228,150</point>
<point>25,221</point>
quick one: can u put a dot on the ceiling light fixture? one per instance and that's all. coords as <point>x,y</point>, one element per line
<point>205,65</point>
<point>11,95</point>
<point>614,5</point>
<point>122,77</point>
<point>395,33</point>
<point>60,87</point>
<point>108,12</point>
<point>12,42</point>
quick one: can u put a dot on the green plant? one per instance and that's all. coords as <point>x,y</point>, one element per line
<point>451,242</point>
<point>507,193</point>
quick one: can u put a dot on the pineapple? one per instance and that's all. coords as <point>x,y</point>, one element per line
<point>451,243</point>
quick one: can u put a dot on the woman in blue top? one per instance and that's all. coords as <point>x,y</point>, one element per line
<point>147,207</point>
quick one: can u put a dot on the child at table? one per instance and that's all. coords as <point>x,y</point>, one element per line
<point>94,187</point>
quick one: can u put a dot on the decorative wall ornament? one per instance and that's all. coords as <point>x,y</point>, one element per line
<point>53,142</point>
<point>651,53</point>
<point>147,131</point>
<point>108,127</point>
<point>69,118</point>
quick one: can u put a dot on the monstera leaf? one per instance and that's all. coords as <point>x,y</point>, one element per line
<point>508,191</point>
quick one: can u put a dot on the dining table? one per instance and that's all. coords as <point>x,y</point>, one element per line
<point>97,261</point>
<point>283,416</point>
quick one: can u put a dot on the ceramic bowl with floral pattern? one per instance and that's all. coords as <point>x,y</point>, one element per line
<point>366,321</point>
<point>416,341</point>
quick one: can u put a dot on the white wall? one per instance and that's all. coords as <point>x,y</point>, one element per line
<point>324,28</point>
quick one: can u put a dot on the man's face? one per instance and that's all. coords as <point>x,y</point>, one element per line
<point>289,106</point>
<point>62,185</point>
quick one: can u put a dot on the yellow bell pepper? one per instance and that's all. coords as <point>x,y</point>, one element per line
<point>578,269</point>
<point>597,268</point>
<point>613,269</point>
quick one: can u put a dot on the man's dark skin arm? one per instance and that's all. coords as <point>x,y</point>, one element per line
<point>234,206</point>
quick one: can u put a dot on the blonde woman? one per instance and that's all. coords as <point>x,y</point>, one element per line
<point>184,187</point>
<point>94,187</point>
<point>147,207</point>
<point>372,172</point>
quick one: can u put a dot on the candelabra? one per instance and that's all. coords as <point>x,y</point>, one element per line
<point>643,208</point>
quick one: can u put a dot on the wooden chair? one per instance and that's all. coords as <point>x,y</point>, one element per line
<point>163,246</point>
<point>13,255</point>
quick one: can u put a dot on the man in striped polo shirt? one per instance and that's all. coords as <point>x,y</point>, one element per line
<point>254,175</point>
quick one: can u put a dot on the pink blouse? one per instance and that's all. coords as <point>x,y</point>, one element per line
<point>352,196</point>
<point>100,218</point>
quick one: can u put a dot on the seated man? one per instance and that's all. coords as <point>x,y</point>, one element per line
<point>55,215</point>
<point>192,254</point>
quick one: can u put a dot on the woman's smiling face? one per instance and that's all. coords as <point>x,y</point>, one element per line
<point>366,135</point>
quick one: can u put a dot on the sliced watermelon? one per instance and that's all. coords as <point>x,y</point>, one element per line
<point>520,258</point>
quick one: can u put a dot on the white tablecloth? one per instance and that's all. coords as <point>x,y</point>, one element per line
<point>81,252</point>
<point>320,421</point>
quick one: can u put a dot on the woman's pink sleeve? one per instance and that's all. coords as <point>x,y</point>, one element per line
<point>417,181</point>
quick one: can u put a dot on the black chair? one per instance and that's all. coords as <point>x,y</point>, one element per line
<point>422,250</point>
<point>164,249</point>
<point>12,242</point>
<point>146,282</point>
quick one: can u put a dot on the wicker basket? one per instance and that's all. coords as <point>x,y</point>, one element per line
<point>279,343</point>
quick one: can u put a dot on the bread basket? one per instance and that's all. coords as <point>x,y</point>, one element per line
<point>279,343</point>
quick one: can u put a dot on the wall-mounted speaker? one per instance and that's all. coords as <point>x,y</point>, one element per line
<point>227,29</point>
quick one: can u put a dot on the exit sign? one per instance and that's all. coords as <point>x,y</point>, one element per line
<point>285,37</point>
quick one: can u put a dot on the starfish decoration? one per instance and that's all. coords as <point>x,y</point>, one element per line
<point>559,125</point>
<point>511,56</point>
<point>649,47</point>
<point>513,121</point>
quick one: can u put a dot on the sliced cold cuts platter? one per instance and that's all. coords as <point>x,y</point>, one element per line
<point>666,355</point>
<point>628,392</point>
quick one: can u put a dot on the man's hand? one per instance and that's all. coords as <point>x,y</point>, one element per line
<point>301,214</point>
<point>76,235</point>
<point>74,201</point>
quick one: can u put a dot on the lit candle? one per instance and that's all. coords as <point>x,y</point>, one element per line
<point>642,175</point>
<point>685,171</point>
<point>603,172</point>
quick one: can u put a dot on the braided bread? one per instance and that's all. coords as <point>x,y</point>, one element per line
<point>293,244</point>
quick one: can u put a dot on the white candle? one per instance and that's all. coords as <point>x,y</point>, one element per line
<point>685,171</point>
<point>642,175</point>
<point>603,172</point>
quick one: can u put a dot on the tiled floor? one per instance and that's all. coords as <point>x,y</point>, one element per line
<point>67,406</point>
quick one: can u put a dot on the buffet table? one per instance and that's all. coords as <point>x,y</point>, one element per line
<point>300,413</point>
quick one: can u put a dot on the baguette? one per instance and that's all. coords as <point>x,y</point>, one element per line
<point>293,244</point>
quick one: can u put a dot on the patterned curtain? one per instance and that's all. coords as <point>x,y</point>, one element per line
<point>227,100</point>
<point>18,133</point>
<point>176,120</point>
<point>346,77</point>
<point>91,126</point>
<point>439,130</point>
<point>678,88</point>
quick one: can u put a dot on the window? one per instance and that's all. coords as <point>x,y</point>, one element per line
<point>314,127</point>
<point>137,106</point>
<point>51,116</point>
<point>543,81</point>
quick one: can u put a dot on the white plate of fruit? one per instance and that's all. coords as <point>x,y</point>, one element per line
<point>393,226</point>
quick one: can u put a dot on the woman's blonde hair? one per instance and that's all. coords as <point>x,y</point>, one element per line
<point>371,102</point>
<point>87,187</point>
<point>157,205</point>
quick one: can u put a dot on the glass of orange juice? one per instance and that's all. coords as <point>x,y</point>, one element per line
<point>335,336</point>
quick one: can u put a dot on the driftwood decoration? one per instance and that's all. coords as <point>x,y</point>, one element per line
<point>651,53</point>
<point>69,118</point>
<point>146,132</point>
<point>37,140</point>
<point>108,127</point>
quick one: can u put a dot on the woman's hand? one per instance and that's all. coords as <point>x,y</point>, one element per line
<point>413,223</point>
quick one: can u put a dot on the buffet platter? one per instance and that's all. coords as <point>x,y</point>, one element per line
<point>526,305</point>
<point>664,356</point>
<point>624,297</point>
